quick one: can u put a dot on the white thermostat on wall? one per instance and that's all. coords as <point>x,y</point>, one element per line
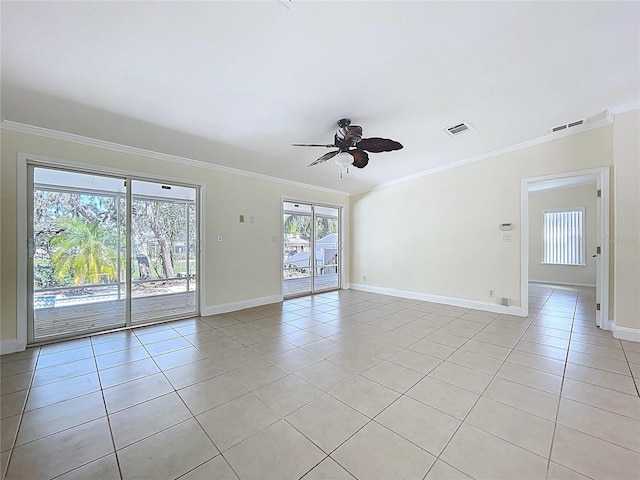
<point>506,227</point>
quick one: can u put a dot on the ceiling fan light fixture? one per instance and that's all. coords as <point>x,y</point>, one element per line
<point>343,160</point>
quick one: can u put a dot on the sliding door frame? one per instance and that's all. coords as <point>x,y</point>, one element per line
<point>342,257</point>
<point>24,214</point>
<point>32,188</point>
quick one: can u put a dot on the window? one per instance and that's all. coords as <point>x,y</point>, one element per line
<point>563,236</point>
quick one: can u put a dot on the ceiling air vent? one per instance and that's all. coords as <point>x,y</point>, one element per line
<point>567,125</point>
<point>458,129</point>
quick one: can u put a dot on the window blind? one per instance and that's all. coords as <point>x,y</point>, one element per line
<point>563,237</point>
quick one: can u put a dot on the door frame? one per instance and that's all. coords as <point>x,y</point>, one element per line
<point>342,226</point>
<point>131,198</point>
<point>601,177</point>
<point>22,275</point>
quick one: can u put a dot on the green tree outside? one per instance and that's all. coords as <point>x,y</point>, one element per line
<point>82,250</point>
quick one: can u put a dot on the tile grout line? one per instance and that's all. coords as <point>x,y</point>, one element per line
<point>220,453</point>
<point>480,395</point>
<point>22,412</point>
<point>251,392</point>
<point>469,412</point>
<point>555,423</point>
<point>560,400</point>
<point>402,394</point>
<point>635,381</point>
<point>69,428</point>
<point>370,420</point>
<point>106,411</point>
<point>174,391</point>
<point>424,376</point>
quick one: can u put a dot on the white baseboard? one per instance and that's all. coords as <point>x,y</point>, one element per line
<point>568,284</point>
<point>626,333</point>
<point>241,305</point>
<point>11,346</point>
<point>457,302</point>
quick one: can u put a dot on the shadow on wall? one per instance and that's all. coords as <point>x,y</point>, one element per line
<point>56,113</point>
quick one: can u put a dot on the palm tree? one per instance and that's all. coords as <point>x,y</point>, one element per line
<point>81,249</point>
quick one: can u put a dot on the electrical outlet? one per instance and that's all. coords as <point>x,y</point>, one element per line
<point>492,293</point>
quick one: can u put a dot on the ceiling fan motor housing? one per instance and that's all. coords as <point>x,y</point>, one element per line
<point>347,136</point>
<point>348,139</point>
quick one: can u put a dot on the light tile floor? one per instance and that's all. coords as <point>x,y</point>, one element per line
<point>334,386</point>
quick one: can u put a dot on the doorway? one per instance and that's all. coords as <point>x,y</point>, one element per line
<point>311,260</point>
<point>107,251</point>
<point>596,254</point>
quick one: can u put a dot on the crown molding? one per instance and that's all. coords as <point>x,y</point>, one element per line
<point>607,119</point>
<point>116,147</point>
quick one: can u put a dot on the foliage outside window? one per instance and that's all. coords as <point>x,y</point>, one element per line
<point>77,237</point>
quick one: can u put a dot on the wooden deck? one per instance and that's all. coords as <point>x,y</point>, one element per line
<point>67,321</point>
<point>71,320</point>
<point>299,286</point>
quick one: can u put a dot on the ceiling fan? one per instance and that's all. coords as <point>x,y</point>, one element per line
<point>348,139</point>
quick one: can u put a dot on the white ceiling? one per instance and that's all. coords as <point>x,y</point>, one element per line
<point>235,83</point>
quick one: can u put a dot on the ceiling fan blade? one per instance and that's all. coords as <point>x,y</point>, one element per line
<point>324,158</point>
<point>354,132</point>
<point>313,145</point>
<point>360,158</point>
<point>377,144</point>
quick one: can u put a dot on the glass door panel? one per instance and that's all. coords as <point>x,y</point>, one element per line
<point>164,251</point>
<point>311,257</point>
<point>78,242</point>
<point>327,268</point>
<point>76,237</point>
<point>297,256</point>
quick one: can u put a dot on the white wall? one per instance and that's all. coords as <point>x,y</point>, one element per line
<point>433,235</point>
<point>582,196</point>
<point>245,267</point>
<point>438,234</point>
<point>626,240</point>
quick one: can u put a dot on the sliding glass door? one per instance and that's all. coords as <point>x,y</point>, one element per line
<point>326,247</point>
<point>297,266</point>
<point>311,256</point>
<point>76,244</point>
<point>81,226</point>
<point>163,254</point>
